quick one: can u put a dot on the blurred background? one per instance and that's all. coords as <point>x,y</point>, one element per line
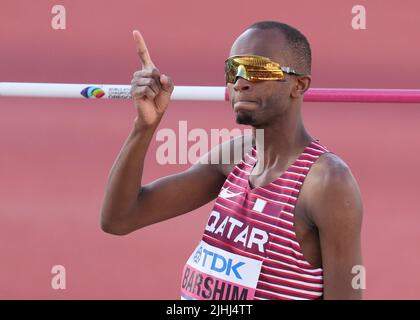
<point>55,154</point>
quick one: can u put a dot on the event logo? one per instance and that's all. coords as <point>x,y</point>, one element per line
<point>89,92</point>
<point>197,255</point>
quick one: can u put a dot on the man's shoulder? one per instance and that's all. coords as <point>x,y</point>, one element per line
<point>330,183</point>
<point>329,168</point>
<point>327,173</point>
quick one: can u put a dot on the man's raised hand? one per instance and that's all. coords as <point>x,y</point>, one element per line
<point>151,90</point>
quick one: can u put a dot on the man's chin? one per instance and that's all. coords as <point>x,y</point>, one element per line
<point>245,118</point>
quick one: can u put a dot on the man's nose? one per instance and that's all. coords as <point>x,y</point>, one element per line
<point>241,84</point>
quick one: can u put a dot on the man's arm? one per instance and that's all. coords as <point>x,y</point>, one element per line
<point>336,209</point>
<point>129,206</point>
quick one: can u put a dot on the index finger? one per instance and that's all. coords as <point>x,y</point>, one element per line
<point>142,51</point>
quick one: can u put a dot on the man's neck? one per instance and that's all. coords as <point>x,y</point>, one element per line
<point>280,144</point>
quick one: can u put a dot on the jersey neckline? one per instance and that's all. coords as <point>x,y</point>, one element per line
<point>254,161</point>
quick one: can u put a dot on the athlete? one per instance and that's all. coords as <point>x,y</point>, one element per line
<point>286,223</point>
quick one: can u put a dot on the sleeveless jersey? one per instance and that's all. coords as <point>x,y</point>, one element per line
<point>249,248</point>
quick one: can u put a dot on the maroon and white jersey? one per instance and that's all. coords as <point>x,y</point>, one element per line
<point>249,248</point>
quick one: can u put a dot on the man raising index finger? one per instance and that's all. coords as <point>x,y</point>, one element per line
<point>286,223</point>
<point>142,51</point>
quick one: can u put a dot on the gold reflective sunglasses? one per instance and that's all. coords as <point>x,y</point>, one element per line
<point>254,68</point>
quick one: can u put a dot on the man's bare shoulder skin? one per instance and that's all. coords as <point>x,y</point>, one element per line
<point>327,172</point>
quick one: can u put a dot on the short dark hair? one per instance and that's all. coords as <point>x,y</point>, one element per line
<point>296,43</point>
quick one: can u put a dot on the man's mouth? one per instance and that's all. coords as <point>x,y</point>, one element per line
<point>244,105</point>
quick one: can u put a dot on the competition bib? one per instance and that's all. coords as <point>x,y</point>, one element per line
<point>215,274</point>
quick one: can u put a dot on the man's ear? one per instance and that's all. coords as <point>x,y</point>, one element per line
<point>302,84</point>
